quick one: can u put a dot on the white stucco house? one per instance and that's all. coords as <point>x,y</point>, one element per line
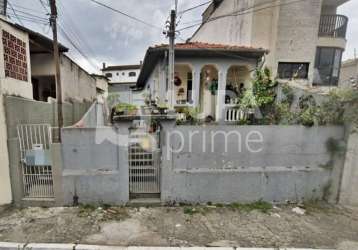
<point>306,39</point>
<point>208,77</point>
<point>122,81</point>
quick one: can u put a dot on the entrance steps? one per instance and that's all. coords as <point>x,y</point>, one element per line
<point>143,201</point>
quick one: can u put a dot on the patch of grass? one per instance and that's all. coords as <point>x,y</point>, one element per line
<point>190,210</point>
<point>259,205</point>
<point>85,210</point>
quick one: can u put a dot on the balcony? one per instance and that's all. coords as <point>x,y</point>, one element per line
<point>333,26</point>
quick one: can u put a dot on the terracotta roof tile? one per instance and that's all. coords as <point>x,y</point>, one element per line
<point>201,45</point>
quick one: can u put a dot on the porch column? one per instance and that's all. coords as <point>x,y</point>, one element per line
<point>196,88</point>
<point>220,106</point>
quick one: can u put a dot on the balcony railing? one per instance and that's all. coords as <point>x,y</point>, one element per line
<point>333,26</point>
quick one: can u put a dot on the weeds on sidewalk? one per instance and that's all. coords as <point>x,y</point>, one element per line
<point>104,212</point>
<point>261,206</point>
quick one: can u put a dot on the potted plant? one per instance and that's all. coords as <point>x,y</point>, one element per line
<point>126,109</point>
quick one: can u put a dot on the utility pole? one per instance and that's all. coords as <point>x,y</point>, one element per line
<point>56,56</point>
<point>171,63</point>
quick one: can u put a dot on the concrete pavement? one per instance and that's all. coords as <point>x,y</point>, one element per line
<point>41,246</point>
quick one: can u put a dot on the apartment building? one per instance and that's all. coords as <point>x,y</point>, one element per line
<point>305,38</point>
<point>122,81</point>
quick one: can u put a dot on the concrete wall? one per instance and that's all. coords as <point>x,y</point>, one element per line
<point>96,116</point>
<point>289,163</point>
<point>24,111</point>
<point>9,86</point>
<point>349,71</point>
<point>123,90</point>
<point>349,188</point>
<point>77,84</point>
<point>95,165</point>
<point>293,164</point>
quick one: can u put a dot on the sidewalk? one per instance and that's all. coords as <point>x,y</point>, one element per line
<point>18,246</point>
<point>314,226</point>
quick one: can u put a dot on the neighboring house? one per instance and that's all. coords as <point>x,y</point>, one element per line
<point>77,83</point>
<point>101,86</point>
<point>15,79</point>
<point>306,39</point>
<point>122,81</point>
<point>349,74</point>
<point>27,70</point>
<point>207,76</point>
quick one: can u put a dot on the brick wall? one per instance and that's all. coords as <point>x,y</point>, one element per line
<point>14,57</point>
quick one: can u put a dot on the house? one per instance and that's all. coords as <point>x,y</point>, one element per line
<point>101,86</point>
<point>208,77</point>
<point>306,39</point>
<point>349,74</point>
<point>122,81</point>
<point>27,70</point>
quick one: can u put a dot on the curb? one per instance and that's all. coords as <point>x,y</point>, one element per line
<point>45,246</point>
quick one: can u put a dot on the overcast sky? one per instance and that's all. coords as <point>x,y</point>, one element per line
<point>106,36</point>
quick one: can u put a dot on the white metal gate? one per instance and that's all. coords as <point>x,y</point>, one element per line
<point>35,140</point>
<point>144,162</point>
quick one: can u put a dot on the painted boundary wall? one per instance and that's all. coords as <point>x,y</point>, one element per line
<point>94,165</point>
<point>292,163</point>
<point>94,117</point>
<point>25,111</point>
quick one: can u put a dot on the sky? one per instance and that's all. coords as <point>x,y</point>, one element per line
<point>105,36</point>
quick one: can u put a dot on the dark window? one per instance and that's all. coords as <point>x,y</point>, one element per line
<point>132,74</point>
<point>327,66</point>
<point>117,74</point>
<point>289,70</point>
<point>108,74</point>
<point>190,88</point>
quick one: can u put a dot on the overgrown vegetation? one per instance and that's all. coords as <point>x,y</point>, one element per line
<point>105,212</point>
<point>261,206</point>
<point>263,87</point>
<point>113,100</point>
<point>189,116</point>
<point>125,108</point>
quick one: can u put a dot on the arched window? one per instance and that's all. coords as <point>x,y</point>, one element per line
<point>132,74</point>
<point>108,74</point>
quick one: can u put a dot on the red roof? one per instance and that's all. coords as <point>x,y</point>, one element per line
<point>200,45</point>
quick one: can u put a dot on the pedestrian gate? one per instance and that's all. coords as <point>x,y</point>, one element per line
<point>144,162</point>
<point>36,166</point>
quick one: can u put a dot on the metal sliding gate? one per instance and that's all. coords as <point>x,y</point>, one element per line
<point>36,166</point>
<point>144,162</point>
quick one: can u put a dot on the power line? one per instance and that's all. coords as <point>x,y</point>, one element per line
<point>17,6</point>
<point>194,7</point>
<point>75,46</point>
<point>15,13</point>
<point>125,14</point>
<point>73,31</point>
<point>242,12</point>
<point>43,6</point>
<point>27,19</point>
<point>30,15</point>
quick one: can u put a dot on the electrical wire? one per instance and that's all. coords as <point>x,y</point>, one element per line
<point>241,12</point>
<point>15,14</point>
<point>70,26</point>
<point>194,7</point>
<point>125,14</point>
<point>75,46</point>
